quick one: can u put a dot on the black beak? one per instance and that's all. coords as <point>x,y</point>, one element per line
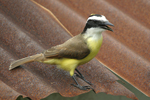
<point>105,26</point>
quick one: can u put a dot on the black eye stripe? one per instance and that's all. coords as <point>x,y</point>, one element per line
<point>96,22</point>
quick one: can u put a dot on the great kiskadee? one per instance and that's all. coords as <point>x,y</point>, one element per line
<point>76,51</point>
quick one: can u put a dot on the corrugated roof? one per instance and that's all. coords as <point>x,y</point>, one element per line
<point>29,27</point>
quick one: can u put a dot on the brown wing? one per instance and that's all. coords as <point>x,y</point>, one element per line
<point>73,48</point>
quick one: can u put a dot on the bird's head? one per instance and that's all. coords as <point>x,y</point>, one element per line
<point>99,22</point>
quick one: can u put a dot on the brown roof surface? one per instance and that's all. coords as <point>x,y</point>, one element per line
<point>29,27</point>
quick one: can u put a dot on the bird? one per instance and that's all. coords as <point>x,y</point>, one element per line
<point>76,51</point>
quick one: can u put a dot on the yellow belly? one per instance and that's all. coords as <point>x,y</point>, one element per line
<point>70,64</point>
<point>64,63</point>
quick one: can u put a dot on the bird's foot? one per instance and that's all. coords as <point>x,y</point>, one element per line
<point>79,86</point>
<point>82,87</point>
<point>82,77</point>
<point>78,74</point>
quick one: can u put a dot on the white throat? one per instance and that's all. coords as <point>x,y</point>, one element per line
<point>94,33</point>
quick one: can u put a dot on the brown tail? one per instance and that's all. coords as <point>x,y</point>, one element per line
<point>37,57</point>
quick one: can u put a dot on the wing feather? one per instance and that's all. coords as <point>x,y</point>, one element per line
<point>75,48</point>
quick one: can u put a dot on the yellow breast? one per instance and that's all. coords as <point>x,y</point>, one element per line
<point>94,45</point>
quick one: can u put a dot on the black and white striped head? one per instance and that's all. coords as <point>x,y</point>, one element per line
<point>99,22</point>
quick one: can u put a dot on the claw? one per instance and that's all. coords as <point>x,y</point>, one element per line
<point>82,87</point>
<point>79,86</point>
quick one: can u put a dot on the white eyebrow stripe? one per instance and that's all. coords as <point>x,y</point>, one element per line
<point>102,18</point>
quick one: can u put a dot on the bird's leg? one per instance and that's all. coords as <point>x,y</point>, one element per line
<point>79,86</point>
<point>82,77</point>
